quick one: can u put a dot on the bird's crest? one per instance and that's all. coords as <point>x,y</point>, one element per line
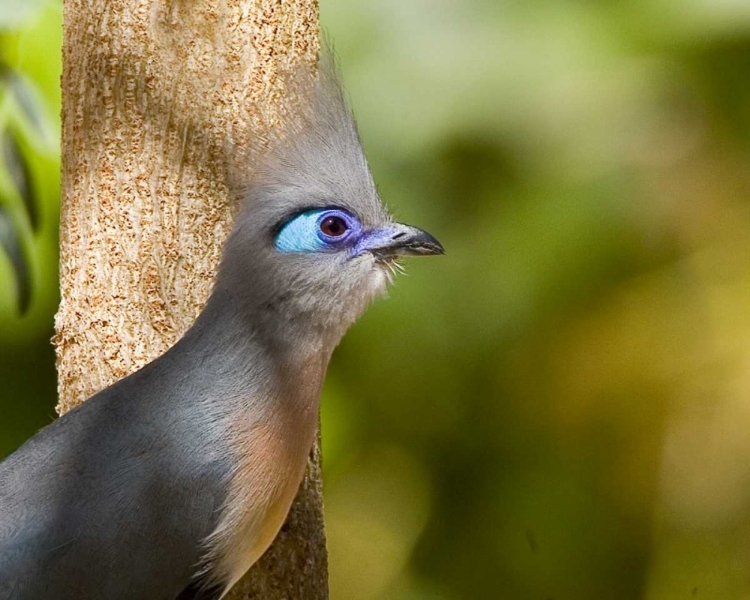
<point>313,146</point>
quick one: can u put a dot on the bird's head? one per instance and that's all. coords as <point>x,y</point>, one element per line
<point>313,243</point>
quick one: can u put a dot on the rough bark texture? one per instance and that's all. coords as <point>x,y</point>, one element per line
<point>157,97</point>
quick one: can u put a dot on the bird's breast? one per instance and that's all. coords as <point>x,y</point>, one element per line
<point>269,459</point>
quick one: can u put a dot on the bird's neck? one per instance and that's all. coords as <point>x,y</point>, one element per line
<point>263,394</point>
<point>257,352</point>
<point>290,325</point>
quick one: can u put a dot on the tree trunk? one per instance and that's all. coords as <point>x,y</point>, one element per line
<point>156,94</point>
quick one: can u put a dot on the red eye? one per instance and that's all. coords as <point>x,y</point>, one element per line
<point>333,226</point>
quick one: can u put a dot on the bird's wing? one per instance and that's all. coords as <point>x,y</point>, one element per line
<point>96,505</point>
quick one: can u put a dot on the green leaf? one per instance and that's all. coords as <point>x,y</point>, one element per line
<point>18,171</point>
<point>10,243</point>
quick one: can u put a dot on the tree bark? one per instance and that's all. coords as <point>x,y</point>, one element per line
<point>157,95</point>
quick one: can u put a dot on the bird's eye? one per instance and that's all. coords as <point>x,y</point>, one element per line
<point>319,230</point>
<point>333,226</point>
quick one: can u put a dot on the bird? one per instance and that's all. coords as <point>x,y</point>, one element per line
<point>173,481</point>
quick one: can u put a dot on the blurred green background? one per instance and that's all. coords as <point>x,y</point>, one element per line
<point>559,408</point>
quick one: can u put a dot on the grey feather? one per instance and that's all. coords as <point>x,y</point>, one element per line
<point>113,499</point>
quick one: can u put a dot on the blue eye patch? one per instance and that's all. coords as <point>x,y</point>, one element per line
<point>318,230</point>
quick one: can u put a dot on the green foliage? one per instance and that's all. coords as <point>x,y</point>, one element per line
<point>569,384</point>
<point>29,208</point>
<point>29,188</point>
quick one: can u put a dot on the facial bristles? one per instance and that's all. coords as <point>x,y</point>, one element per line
<point>392,269</point>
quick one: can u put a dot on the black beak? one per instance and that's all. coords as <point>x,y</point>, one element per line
<point>402,240</point>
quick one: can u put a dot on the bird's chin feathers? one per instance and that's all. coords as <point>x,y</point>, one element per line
<point>381,278</point>
<point>371,281</point>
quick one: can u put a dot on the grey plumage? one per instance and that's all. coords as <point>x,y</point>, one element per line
<point>173,481</point>
<point>81,501</point>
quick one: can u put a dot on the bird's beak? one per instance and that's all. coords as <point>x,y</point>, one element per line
<point>398,239</point>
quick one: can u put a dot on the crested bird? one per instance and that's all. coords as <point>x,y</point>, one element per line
<point>172,482</point>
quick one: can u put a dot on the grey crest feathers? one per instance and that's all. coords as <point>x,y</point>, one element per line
<point>314,155</point>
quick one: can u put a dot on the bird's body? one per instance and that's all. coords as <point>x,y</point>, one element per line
<point>171,483</point>
<point>123,453</point>
<point>57,501</point>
